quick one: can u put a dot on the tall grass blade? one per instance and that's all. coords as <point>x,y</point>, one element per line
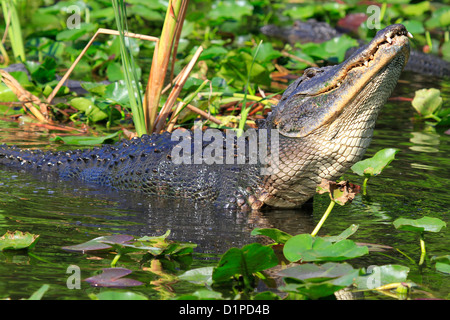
<point>14,29</point>
<point>131,78</point>
<point>245,110</point>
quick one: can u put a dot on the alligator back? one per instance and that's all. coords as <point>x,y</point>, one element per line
<point>143,165</point>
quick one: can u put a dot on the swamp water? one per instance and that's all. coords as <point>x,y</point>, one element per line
<point>414,185</point>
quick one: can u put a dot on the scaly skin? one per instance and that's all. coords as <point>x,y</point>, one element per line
<point>324,123</point>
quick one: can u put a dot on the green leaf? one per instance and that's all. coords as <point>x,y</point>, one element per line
<point>416,9</point>
<point>414,26</point>
<point>44,72</point>
<point>117,92</point>
<point>18,240</point>
<point>442,263</point>
<point>99,243</point>
<point>113,277</point>
<point>213,52</point>
<point>301,12</point>
<point>427,101</point>
<point>230,10</point>
<point>266,53</point>
<point>250,259</point>
<point>202,294</point>
<point>159,245</point>
<point>429,224</point>
<point>316,281</point>
<point>377,276</point>
<point>114,71</point>
<point>76,33</point>
<point>344,234</point>
<point>95,87</point>
<point>83,140</point>
<point>85,105</point>
<point>375,165</point>
<point>119,295</point>
<point>333,50</point>
<point>202,276</point>
<point>308,248</point>
<point>277,235</point>
<point>443,267</point>
<point>38,294</point>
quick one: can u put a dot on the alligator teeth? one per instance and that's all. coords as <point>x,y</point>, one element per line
<point>388,39</point>
<point>409,35</point>
<point>366,63</point>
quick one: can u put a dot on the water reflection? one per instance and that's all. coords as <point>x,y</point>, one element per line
<point>96,210</point>
<point>425,142</point>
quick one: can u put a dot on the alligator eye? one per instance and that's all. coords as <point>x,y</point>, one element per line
<point>310,72</point>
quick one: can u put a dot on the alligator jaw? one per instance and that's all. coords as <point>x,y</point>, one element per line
<point>326,118</point>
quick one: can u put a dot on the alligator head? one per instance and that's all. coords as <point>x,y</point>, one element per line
<point>326,118</point>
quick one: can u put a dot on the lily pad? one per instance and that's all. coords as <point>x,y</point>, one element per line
<point>118,295</point>
<point>305,247</point>
<point>93,112</point>
<point>100,243</point>
<point>275,234</point>
<point>83,140</point>
<point>429,224</point>
<point>316,281</point>
<point>377,276</point>
<point>442,263</point>
<point>427,101</point>
<point>18,240</point>
<point>159,245</point>
<point>246,261</point>
<point>202,294</point>
<point>113,277</point>
<point>374,165</point>
<point>344,234</point>
<point>198,276</point>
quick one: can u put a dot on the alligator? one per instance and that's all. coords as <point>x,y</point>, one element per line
<point>322,125</point>
<point>318,32</point>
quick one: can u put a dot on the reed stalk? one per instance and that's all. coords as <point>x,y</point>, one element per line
<point>160,62</point>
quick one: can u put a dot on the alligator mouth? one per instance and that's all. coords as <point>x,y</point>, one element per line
<point>364,58</point>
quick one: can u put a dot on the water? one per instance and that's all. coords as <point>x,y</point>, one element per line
<point>415,184</point>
